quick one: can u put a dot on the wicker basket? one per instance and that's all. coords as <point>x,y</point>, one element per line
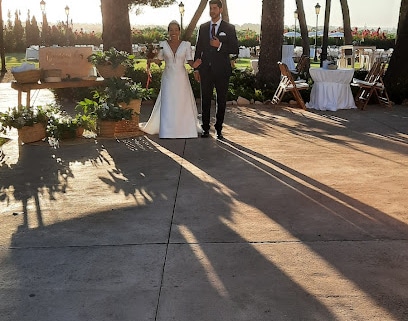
<point>107,71</point>
<point>31,134</point>
<point>106,128</point>
<point>130,128</point>
<point>70,134</point>
<point>27,77</point>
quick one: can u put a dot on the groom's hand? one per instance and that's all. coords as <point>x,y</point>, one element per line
<point>196,63</point>
<point>197,76</point>
<point>215,42</point>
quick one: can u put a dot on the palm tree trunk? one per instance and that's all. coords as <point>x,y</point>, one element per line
<point>323,55</point>
<point>348,38</point>
<point>303,27</point>
<point>225,14</point>
<point>272,26</point>
<point>402,15</point>
<point>2,53</point>
<point>193,23</point>
<point>116,30</point>
<point>396,77</point>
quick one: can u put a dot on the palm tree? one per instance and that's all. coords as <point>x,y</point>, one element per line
<point>116,30</point>
<point>272,25</point>
<point>396,77</point>
<point>303,27</point>
<point>116,25</point>
<point>197,15</point>
<point>193,23</point>
<point>348,38</point>
<point>225,15</point>
<point>325,40</point>
<point>2,53</point>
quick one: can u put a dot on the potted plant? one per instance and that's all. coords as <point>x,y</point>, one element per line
<point>106,113</point>
<point>119,101</point>
<point>30,122</point>
<point>61,125</point>
<point>112,63</point>
<point>129,95</point>
<point>119,90</point>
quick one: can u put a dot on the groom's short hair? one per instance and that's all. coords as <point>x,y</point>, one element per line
<point>217,2</point>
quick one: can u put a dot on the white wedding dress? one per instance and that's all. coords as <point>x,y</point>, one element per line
<point>174,114</point>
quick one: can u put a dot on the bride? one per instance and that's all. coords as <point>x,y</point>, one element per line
<point>174,114</point>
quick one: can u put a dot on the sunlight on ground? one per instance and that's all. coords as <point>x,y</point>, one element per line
<point>311,260</point>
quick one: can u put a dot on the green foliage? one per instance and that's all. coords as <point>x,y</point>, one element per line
<point>3,140</point>
<point>25,116</point>
<point>139,75</point>
<point>73,94</point>
<point>61,124</point>
<point>149,35</point>
<point>195,86</point>
<point>375,41</point>
<point>105,103</point>
<point>122,90</point>
<point>248,38</point>
<point>103,110</point>
<point>397,90</point>
<point>112,57</point>
<point>242,83</point>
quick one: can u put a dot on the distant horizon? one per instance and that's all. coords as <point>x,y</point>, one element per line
<point>88,11</point>
<point>238,26</point>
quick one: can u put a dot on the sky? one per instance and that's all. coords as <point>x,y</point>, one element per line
<point>363,13</point>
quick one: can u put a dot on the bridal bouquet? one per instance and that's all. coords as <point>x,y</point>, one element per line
<point>151,55</point>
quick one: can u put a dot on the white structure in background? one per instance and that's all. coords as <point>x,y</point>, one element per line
<point>287,56</point>
<point>244,52</point>
<point>32,53</point>
<point>254,65</point>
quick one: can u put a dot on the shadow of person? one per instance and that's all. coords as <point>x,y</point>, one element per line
<point>135,247</point>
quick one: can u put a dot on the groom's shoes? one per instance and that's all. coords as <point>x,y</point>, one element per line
<point>219,135</point>
<point>205,134</point>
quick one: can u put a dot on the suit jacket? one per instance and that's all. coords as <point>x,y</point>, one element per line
<point>218,60</point>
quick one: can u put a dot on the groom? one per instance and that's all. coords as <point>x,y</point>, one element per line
<point>217,39</point>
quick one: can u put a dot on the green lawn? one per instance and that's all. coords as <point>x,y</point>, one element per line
<point>2,141</point>
<point>15,59</point>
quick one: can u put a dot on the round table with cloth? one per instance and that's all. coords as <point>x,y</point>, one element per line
<point>331,89</point>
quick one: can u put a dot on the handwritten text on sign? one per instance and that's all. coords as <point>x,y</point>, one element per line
<point>72,61</point>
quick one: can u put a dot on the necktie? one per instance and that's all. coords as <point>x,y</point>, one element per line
<point>213,30</point>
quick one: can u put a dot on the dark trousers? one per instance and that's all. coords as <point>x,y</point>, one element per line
<point>209,81</point>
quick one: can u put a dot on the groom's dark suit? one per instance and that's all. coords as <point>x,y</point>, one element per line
<point>215,69</point>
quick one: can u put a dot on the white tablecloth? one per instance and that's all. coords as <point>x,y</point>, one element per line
<point>244,53</point>
<point>331,89</point>
<point>287,56</point>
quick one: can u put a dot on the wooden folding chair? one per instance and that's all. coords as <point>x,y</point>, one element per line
<point>288,84</point>
<point>372,85</point>
<point>302,67</point>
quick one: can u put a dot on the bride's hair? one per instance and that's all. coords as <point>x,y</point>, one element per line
<point>173,22</point>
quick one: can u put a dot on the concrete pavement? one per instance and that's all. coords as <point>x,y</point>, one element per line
<point>297,215</point>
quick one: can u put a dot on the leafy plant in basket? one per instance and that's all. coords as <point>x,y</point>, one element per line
<point>24,116</point>
<point>112,57</point>
<point>106,102</point>
<point>62,125</point>
<point>103,110</point>
<point>119,90</point>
